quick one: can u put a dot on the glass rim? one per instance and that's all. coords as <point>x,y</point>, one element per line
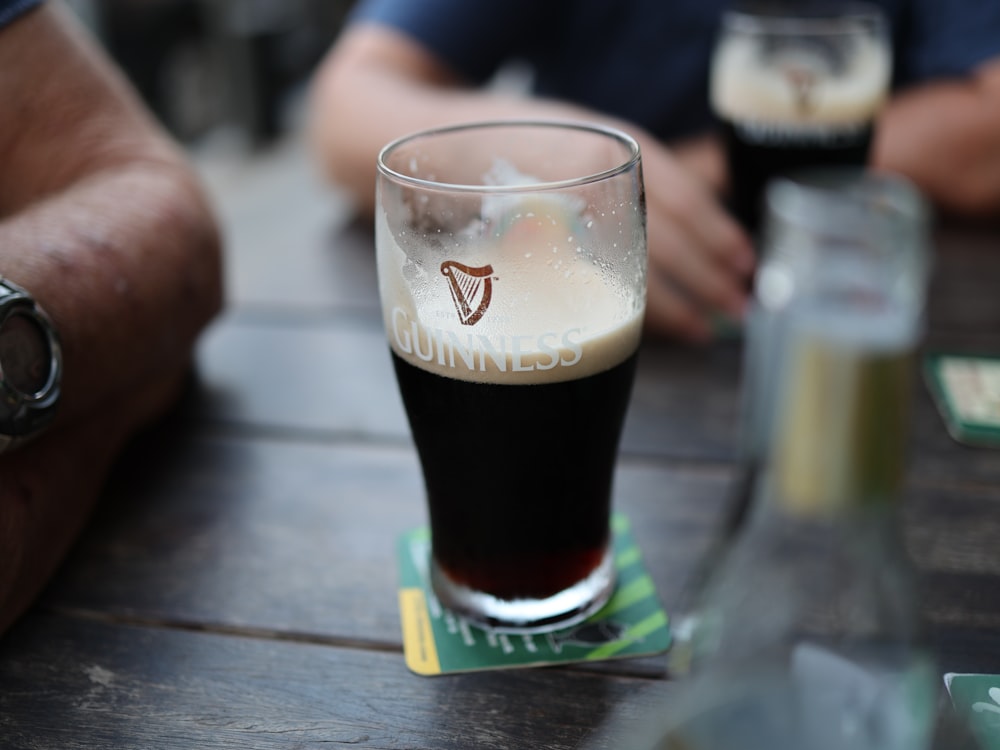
<point>630,161</point>
<point>762,17</point>
<point>896,214</point>
<point>799,198</point>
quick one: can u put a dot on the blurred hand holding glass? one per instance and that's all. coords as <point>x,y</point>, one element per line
<point>512,275</point>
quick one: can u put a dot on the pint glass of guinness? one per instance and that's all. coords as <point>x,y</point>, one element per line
<point>512,275</point>
<point>796,85</point>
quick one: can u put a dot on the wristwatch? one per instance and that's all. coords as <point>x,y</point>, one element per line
<point>30,367</point>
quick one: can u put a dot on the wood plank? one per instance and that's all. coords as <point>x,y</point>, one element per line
<point>936,457</point>
<point>293,367</point>
<point>299,539</point>
<point>331,379</point>
<point>685,403</point>
<point>322,375</point>
<point>292,240</point>
<point>293,538</point>
<point>964,307</point>
<point>274,535</point>
<point>70,684</point>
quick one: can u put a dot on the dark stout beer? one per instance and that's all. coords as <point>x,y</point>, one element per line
<point>756,155</point>
<point>786,103</point>
<point>516,387</point>
<point>519,508</point>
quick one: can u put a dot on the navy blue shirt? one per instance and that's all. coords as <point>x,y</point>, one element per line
<point>11,9</point>
<point>648,60</point>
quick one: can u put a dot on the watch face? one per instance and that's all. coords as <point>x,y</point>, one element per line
<point>25,357</point>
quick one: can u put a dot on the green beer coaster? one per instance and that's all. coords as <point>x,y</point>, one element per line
<point>966,389</point>
<point>436,641</point>
<point>976,698</point>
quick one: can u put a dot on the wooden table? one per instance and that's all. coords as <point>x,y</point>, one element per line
<point>237,586</point>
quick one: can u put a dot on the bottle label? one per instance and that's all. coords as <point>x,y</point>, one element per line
<point>843,430</point>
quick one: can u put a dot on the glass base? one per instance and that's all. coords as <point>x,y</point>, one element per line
<point>804,696</point>
<point>558,611</point>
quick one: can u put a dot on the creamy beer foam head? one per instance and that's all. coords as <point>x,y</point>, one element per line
<point>525,303</point>
<point>798,85</point>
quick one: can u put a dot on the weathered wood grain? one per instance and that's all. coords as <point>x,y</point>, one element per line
<point>298,539</point>
<point>330,378</point>
<point>72,684</point>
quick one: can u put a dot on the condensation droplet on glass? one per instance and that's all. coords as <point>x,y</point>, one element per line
<point>590,224</point>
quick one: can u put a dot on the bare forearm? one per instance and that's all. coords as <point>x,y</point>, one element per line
<point>101,218</point>
<point>946,137</point>
<point>354,167</point>
<point>386,104</point>
<point>38,521</point>
<point>105,223</point>
<point>127,265</point>
<point>48,489</point>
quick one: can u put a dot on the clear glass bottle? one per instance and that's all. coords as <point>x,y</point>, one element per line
<point>807,631</point>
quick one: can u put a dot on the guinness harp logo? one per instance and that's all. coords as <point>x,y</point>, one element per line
<point>471,289</point>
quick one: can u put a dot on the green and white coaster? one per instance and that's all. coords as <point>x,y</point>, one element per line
<point>966,389</point>
<point>436,641</point>
<point>976,698</point>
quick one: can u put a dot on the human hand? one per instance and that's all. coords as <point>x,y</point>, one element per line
<point>700,259</point>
